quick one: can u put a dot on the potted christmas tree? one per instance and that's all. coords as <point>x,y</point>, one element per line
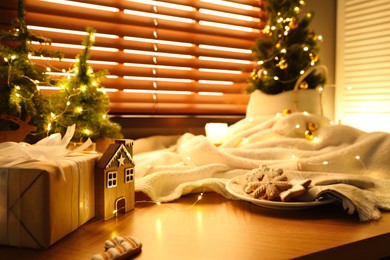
<point>286,61</point>
<point>23,109</point>
<point>82,101</point>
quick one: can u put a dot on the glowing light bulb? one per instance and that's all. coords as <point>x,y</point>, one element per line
<point>244,141</point>
<point>325,162</point>
<point>79,109</point>
<point>87,132</point>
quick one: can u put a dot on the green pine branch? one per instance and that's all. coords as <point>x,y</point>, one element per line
<point>20,77</point>
<point>287,48</point>
<point>82,102</point>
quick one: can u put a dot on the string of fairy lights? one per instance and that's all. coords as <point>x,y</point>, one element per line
<point>283,27</point>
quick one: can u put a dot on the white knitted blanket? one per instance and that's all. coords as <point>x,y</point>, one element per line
<point>168,167</point>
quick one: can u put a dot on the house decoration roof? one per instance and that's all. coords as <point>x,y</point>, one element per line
<point>117,154</point>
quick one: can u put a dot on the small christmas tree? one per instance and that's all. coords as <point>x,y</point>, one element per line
<point>82,102</point>
<point>287,51</point>
<point>20,100</point>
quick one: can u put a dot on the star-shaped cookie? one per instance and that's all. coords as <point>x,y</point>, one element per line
<point>269,187</point>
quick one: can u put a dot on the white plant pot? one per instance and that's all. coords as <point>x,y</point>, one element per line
<point>309,100</point>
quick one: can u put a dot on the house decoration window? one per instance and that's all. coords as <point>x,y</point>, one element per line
<point>111,179</point>
<point>163,57</point>
<point>129,175</point>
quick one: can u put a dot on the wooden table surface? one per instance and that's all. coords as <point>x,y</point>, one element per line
<point>217,228</point>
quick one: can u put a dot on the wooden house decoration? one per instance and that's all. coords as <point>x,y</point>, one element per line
<point>114,180</point>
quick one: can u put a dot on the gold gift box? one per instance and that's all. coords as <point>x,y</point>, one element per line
<point>39,205</point>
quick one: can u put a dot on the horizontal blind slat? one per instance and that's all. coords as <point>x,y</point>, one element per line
<point>215,78</point>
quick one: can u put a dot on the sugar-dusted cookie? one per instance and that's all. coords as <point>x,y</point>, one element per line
<point>269,187</point>
<point>298,188</point>
<point>272,184</point>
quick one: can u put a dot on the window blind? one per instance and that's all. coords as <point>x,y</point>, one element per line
<point>363,64</point>
<point>164,57</point>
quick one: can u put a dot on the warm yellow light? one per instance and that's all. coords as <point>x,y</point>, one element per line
<point>84,5</point>
<point>159,16</point>
<point>203,93</point>
<point>164,54</point>
<point>76,46</point>
<point>65,31</point>
<point>164,4</point>
<point>224,60</point>
<point>156,66</point>
<point>229,26</point>
<point>232,4</point>
<point>87,132</point>
<point>220,71</point>
<point>158,79</point>
<point>175,43</point>
<point>228,15</point>
<point>216,132</point>
<point>48,88</point>
<point>168,92</point>
<point>217,82</point>
<point>221,48</point>
<point>105,90</point>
